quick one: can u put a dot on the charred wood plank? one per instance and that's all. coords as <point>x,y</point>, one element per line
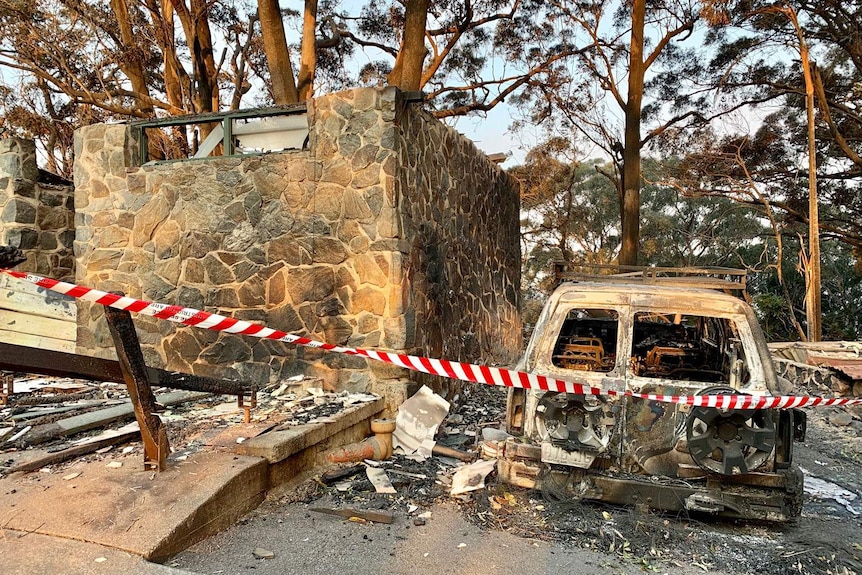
<point>131,359</point>
<point>445,451</point>
<point>100,418</point>
<point>47,362</point>
<point>336,475</point>
<point>375,515</point>
<point>72,452</point>
<point>18,401</point>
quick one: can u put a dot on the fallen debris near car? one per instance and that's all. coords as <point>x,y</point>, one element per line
<point>378,516</point>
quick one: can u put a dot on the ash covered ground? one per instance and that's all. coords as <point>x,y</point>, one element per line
<point>825,539</point>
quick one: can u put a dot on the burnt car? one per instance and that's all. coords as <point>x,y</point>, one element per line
<point>655,331</point>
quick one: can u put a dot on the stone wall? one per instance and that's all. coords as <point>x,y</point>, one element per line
<point>36,211</point>
<point>461,216</point>
<point>389,231</point>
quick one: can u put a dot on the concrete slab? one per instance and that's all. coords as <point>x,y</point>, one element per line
<point>127,514</point>
<point>277,446</point>
<point>154,515</point>
<point>32,554</point>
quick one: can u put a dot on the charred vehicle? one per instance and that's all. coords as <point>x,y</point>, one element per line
<point>667,332</point>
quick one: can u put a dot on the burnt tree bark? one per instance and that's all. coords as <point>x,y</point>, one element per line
<point>630,201</point>
<point>132,64</point>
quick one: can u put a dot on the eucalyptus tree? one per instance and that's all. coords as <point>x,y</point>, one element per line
<point>473,55</point>
<point>635,79</point>
<point>791,55</point>
<point>570,213</point>
<point>66,63</point>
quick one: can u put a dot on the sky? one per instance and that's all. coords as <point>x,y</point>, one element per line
<point>492,135</point>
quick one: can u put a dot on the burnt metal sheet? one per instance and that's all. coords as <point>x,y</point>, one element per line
<point>770,501</point>
<point>851,368</point>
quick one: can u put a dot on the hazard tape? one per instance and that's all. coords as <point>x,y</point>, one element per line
<point>452,369</point>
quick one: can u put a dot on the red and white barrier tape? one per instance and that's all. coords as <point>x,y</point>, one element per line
<point>442,367</point>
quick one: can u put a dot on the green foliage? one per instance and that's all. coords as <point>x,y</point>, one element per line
<point>571,212</point>
<point>841,294</point>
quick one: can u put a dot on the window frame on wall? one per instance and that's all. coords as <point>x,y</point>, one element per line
<point>220,135</point>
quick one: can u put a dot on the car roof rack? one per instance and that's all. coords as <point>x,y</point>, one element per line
<point>718,278</point>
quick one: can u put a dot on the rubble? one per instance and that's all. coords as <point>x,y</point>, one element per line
<point>379,480</point>
<point>261,553</point>
<point>53,420</point>
<point>471,477</point>
<point>642,540</point>
<point>417,422</point>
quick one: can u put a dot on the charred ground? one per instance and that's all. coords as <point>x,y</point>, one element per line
<point>825,539</point>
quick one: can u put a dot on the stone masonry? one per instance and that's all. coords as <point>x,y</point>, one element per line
<point>461,218</point>
<point>389,231</point>
<point>36,211</point>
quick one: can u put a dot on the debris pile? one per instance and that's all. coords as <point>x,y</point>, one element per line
<point>642,540</point>
<point>46,421</point>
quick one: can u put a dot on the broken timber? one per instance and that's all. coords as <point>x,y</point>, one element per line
<point>375,515</point>
<point>87,421</point>
<point>45,362</point>
<point>72,452</point>
<point>153,432</point>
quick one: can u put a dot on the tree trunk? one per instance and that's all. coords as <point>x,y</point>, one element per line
<point>277,54</point>
<point>407,72</point>
<point>308,55</point>
<point>132,61</point>
<point>162,18</point>
<point>812,270</point>
<point>195,25</point>
<point>630,200</point>
<point>173,87</point>
<point>204,48</point>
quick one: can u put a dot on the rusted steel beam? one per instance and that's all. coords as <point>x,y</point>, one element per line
<point>153,432</point>
<point>46,362</point>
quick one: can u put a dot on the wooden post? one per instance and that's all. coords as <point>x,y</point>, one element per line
<point>134,370</point>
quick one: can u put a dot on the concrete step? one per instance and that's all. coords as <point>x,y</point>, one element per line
<point>154,515</point>
<point>296,452</point>
<point>127,511</point>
